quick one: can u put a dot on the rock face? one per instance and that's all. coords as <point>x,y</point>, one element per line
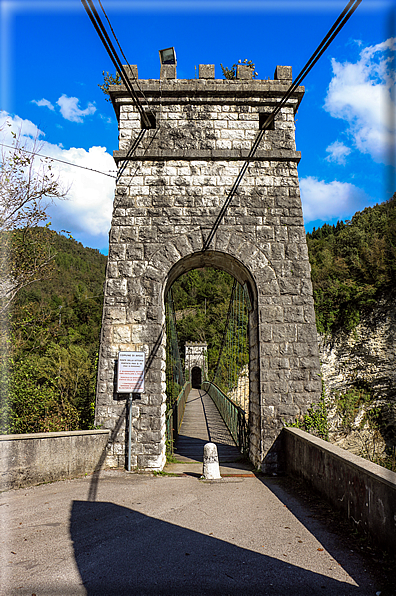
<point>364,357</point>
<point>173,179</point>
<point>240,393</point>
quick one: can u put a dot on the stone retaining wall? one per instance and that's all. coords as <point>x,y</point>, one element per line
<point>31,459</point>
<point>363,491</point>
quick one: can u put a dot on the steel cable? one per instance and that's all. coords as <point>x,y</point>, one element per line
<point>101,31</point>
<point>330,36</point>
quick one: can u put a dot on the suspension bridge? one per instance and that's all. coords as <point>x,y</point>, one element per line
<point>218,410</point>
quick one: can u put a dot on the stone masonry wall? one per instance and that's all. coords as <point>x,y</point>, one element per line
<point>172,184</point>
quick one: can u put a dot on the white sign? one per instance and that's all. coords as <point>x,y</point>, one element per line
<point>130,378</point>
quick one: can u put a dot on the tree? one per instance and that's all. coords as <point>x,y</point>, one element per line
<point>27,186</point>
<point>109,79</point>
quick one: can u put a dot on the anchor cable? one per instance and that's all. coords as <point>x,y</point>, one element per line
<point>330,36</point>
<point>101,31</point>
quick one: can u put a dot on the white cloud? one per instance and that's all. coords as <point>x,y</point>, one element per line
<point>44,102</point>
<point>337,152</point>
<point>87,211</point>
<point>70,110</point>
<point>327,200</point>
<point>362,94</point>
<point>10,123</point>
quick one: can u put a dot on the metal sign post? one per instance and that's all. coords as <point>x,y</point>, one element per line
<point>130,379</point>
<point>129,431</point>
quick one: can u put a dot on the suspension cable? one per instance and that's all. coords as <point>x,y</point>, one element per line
<point>175,372</point>
<point>223,341</point>
<point>123,55</point>
<point>330,36</point>
<point>134,144</point>
<point>101,31</point>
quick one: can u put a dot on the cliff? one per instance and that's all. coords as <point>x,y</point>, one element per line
<point>359,373</point>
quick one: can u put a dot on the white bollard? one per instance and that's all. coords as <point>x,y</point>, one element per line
<point>211,469</point>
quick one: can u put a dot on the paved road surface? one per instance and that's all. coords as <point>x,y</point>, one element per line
<point>171,535</point>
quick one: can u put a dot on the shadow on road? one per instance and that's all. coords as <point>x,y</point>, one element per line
<point>120,551</point>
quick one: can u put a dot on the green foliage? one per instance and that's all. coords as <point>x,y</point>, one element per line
<point>315,420</point>
<point>207,293</point>
<point>389,461</point>
<point>32,405</point>
<point>55,326</point>
<point>349,403</point>
<point>352,263</point>
<point>27,185</point>
<point>71,372</point>
<point>109,79</point>
<point>231,73</point>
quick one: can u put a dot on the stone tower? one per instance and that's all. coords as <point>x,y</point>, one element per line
<point>173,180</point>
<point>196,362</point>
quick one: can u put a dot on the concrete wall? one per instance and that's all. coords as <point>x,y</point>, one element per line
<point>30,459</point>
<point>365,492</point>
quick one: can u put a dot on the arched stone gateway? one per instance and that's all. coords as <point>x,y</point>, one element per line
<point>196,377</point>
<point>170,190</point>
<point>196,363</point>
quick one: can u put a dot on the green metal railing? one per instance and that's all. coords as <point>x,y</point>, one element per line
<point>174,417</point>
<point>232,414</point>
<point>233,356</point>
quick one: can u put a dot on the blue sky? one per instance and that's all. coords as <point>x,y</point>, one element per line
<point>52,62</point>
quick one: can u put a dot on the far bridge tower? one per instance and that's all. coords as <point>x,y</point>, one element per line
<point>196,363</point>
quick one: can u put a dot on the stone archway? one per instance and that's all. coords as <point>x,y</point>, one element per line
<point>269,334</point>
<point>196,377</point>
<point>230,261</point>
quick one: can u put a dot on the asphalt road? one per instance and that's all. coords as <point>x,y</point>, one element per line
<point>172,535</point>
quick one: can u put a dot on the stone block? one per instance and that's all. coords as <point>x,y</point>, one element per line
<point>314,386</point>
<point>117,252</point>
<point>290,410</point>
<point>244,72</point>
<point>284,333</point>
<point>271,314</point>
<point>308,362</point>
<point>206,71</point>
<point>168,71</point>
<point>289,286</point>
<point>294,314</point>
<point>116,287</point>
<point>116,314</point>
<point>125,268</point>
<point>131,70</point>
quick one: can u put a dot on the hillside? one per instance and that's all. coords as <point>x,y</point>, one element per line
<point>352,264</point>
<point>50,375</point>
<point>201,299</point>
<point>55,327</point>
<point>354,282</point>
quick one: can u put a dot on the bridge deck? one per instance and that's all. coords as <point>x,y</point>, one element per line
<point>202,423</point>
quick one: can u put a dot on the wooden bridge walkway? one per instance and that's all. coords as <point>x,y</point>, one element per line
<point>202,424</point>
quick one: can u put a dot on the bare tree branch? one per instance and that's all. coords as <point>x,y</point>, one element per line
<point>27,186</point>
